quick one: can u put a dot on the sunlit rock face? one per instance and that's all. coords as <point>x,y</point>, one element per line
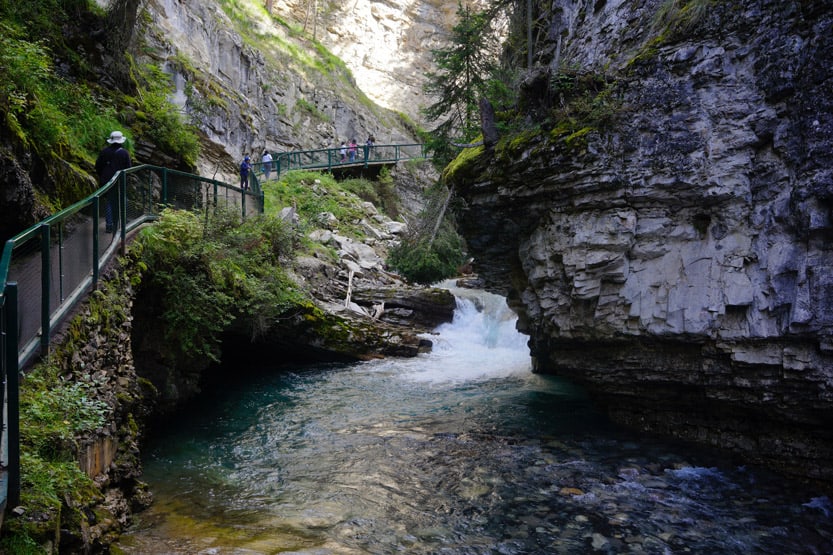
<point>247,97</point>
<point>678,260</point>
<point>386,44</point>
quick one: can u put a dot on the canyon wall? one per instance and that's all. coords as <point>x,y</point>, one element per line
<point>676,260</point>
<point>274,92</point>
<point>386,44</point>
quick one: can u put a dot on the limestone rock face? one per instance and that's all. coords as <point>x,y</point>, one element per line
<point>386,43</point>
<point>246,98</point>
<point>677,262</point>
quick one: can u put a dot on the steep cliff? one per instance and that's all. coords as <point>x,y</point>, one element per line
<point>386,43</point>
<point>673,253</point>
<point>251,81</point>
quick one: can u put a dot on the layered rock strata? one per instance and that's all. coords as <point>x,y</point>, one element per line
<point>677,260</point>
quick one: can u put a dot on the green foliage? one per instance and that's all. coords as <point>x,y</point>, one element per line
<point>302,51</point>
<point>674,20</point>
<point>61,113</point>
<point>585,99</point>
<point>18,541</point>
<point>380,192</point>
<point>463,161</point>
<point>312,109</point>
<point>54,411</point>
<point>432,250</point>
<point>422,261</point>
<point>50,115</point>
<point>579,103</point>
<point>210,270</point>
<point>500,87</point>
<point>158,119</point>
<point>44,18</point>
<point>680,17</point>
<point>312,194</point>
<point>461,78</point>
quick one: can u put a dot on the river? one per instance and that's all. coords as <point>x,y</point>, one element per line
<point>460,451</point>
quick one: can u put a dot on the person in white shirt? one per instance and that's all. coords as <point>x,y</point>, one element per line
<point>267,164</point>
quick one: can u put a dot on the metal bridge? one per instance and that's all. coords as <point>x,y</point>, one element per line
<point>48,269</point>
<point>338,158</point>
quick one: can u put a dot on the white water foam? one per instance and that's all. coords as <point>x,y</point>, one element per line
<point>480,343</point>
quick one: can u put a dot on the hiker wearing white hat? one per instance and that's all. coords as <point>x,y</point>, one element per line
<point>116,137</point>
<point>113,157</point>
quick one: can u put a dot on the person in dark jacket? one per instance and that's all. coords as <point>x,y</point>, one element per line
<point>113,157</point>
<point>245,167</point>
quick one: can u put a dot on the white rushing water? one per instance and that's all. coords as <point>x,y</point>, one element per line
<point>480,343</point>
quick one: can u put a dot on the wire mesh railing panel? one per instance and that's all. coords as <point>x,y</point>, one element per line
<point>72,255</point>
<point>105,238</point>
<point>143,192</point>
<point>56,262</point>
<point>252,205</point>
<point>5,349</point>
<point>25,269</point>
<point>227,199</point>
<point>408,152</point>
<point>184,192</point>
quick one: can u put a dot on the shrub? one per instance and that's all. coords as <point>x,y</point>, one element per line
<point>159,120</point>
<point>208,272</point>
<point>426,262</point>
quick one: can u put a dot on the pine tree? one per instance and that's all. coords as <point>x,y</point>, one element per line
<point>463,69</point>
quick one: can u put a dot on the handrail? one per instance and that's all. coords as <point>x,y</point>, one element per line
<point>47,269</point>
<point>331,158</point>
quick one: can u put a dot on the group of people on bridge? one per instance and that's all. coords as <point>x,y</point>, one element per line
<point>348,154</point>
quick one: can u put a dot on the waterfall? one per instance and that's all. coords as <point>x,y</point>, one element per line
<point>480,343</point>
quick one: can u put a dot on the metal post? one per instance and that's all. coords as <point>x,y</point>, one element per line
<point>96,245</point>
<point>60,262</point>
<point>123,211</point>
<point>164,186</point>
<point>46,285</point>
<point>13,396</point>
<point>243,207</point>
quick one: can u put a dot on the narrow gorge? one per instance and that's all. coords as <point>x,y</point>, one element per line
<point>654,202</point>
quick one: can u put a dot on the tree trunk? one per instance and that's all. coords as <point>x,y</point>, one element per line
<point>440,218</point>
<point>487,123</point>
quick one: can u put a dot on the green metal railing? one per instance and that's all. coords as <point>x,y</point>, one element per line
<point>328,159</point>
<point>46,270</point>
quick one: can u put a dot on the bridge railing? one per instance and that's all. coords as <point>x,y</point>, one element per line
<point>47,269</point>
<point>326,159</point>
